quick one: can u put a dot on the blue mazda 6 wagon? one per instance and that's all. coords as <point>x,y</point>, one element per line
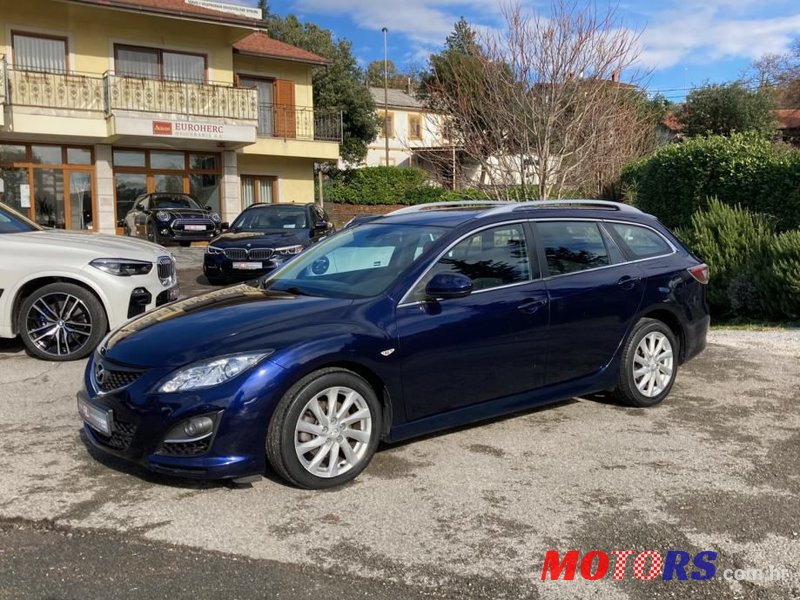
<point>431,317</point>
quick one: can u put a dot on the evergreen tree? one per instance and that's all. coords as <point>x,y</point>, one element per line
<point>727,108</point>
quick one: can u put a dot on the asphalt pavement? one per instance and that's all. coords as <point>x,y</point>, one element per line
<point>468,513</point>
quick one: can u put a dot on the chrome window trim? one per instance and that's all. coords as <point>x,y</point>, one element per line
<point>403,300</point>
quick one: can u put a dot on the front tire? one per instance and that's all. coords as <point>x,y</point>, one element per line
<point>649,364</point>
<point>325,429</point>
<point>61,322</point>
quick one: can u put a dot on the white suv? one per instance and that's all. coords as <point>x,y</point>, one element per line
<point>61,291</point>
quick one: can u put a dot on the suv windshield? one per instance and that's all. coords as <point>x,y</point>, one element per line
<point>272,217</point>
<point>355,263</point>
<point>174,202</point>
<point>13,222</point>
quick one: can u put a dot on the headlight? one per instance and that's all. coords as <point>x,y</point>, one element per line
<point>214,250</point>
<point>215,217</point>
<point>122,266</point>
<point>289,250</point>
<point>209,373</point>
<point>162,215</point>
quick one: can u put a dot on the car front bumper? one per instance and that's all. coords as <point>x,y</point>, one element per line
<point>141,418</point>
<point>221,267</point>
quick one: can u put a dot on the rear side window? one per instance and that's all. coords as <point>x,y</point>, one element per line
<point>490,258</point>
<point>640,241</point>
<point>572,246</point>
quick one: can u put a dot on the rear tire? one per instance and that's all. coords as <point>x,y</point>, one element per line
<point>325,429</point>
<point>152,234</point>
<point>649,364</point>
<point>61,322</point>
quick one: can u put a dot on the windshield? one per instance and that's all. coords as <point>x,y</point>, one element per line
<point>271,217</point>
<point>355,263</point>
<point>13,222</point>
<point>174,202</point>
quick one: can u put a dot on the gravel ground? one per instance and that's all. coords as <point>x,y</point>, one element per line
<point>465,514</point>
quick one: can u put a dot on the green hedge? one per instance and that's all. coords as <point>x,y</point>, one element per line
<point>755,272</point>
<point>745,169</point>
<point>380,185</point>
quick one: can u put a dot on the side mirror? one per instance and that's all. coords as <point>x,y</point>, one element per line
<point>224,225</point>
<point>322,225</point>
<point>121,223</point>
<point>448,285</point>
<point>209,207</point>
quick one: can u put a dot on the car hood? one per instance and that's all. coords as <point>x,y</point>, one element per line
<point>262,239</point>
<point>94,245</point>
<point>240,318</point>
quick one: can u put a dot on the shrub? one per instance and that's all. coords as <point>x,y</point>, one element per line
<point>377,185</point>
<point>745,169</point>
<point>755,273</point>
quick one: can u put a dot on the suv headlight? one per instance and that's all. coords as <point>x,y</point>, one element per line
<point>214,250</point>
<point>209,373</point>
<point>289,250</point>
<point>123,267</point>
<point>162,215</point>
<point>215,217</point>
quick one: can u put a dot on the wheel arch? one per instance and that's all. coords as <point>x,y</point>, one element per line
<point>671,320</point>
<point>38,282</point>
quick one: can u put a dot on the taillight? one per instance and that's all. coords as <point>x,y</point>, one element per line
<point>701,273</point>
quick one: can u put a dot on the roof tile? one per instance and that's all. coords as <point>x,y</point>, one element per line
<point>260,44</point>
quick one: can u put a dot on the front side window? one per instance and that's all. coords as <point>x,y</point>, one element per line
<point>572,246</point>
<point>355,263</point>
<point>640,241</point>
<point>40,53</point>
<point>490,258</point>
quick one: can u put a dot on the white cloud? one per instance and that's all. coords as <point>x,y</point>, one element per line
<point>700,35</point>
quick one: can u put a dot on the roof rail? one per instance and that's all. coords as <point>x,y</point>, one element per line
<point>508,207</point>
<point>493,204</point>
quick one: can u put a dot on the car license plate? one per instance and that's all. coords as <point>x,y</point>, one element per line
<point>95,417</point>
<point>247,266</point>
<point>194,227</point>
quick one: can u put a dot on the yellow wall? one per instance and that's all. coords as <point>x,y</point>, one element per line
<point>92,33</point>
<point>295,175</point>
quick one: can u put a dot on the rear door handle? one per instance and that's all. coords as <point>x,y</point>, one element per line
<point>531,306</point>
<point>627,282</point>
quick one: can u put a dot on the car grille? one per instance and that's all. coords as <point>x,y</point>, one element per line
<point>185,448</point>
<point>252,253</point>
<point>108,380</point>
<point>166,270</point>
<point>121,435</point>
<point>180,224</point>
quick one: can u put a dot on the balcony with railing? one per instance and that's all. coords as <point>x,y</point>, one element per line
<point>299,122</point>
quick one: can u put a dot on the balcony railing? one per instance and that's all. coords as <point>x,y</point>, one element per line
<point>53,90</point>
<point>299,122</point>
<point>178,97</point>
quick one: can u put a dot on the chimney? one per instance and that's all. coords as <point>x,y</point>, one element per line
<point>409,86</point>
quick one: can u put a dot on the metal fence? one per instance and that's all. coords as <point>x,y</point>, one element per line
<point>299,122</point>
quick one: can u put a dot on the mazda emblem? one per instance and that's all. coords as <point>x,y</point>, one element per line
<point>99,373</point>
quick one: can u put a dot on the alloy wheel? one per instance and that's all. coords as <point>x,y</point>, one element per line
<point>333,431</point>
<point>653,364</point>
<point>59,324</point>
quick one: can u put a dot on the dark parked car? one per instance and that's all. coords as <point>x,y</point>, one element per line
<point>429,318</point>
<point>167,217</point>
<point>263,237</point>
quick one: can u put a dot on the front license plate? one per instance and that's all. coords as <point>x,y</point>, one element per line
<point>96,418</point>
<point>194,227</point>
<point>247,266</point>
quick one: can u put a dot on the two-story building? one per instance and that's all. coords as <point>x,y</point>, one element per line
<point>102,100</point>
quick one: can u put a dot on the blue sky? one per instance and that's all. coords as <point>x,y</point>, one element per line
<point>684,43</point>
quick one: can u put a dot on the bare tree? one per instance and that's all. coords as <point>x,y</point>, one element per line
<point>540,108</point>
<point>780,73</point>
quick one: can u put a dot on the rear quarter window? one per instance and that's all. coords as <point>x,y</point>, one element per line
<point>640,241</point>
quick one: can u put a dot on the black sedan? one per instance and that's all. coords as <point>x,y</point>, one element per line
<point>169,217</point>
<point>261,238</point>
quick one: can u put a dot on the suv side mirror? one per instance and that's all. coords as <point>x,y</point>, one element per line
<point>322,225</point>
<point>224,226</point>
<point>121,223</point>
<point>448,285</point>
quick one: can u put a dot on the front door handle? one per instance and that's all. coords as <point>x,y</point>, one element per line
<point>627,282</point>
<point>531,306</point>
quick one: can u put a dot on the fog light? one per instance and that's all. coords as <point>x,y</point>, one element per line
<point>192,430</point>
<point>165,232</point>
<point>199,426</point>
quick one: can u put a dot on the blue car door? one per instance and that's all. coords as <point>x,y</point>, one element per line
<point>492,343</point>
<point>593,292</point>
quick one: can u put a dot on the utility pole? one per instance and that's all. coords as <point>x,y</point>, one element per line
<point>386,92</point>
